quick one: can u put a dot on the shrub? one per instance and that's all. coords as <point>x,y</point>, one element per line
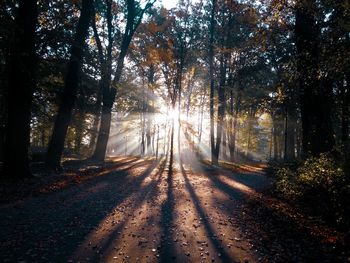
<point>319,183</point>
<point>286,183</point>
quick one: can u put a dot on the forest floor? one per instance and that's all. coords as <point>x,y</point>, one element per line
<point>139,210</point>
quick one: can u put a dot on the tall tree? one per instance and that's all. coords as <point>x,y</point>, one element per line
<point>22,65</point>
<point>105,59</point>
<point>133,19</point>
<point>64,114</point>
<point>211,76</point>
<point>315,95</point>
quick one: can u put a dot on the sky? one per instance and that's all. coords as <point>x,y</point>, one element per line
<point>169,3</point>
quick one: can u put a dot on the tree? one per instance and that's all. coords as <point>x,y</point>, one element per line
<point>133,19</point>
<point>315,95</point>
<point>22,67</point>
<point>105,59</point>
<point>214,160</point>
<point>56,145</point>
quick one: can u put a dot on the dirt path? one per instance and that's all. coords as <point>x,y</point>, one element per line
<point>143,212</point>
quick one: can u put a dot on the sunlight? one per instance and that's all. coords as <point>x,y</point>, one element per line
<point>168,4</point>
<point>173,114</point>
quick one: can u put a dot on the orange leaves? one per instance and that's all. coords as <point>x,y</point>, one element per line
<point>153,27</point>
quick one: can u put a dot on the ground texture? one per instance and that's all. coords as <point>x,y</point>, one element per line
<point>137,210</point>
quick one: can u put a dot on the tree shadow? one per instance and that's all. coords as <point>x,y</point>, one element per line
<point>107,243</point>
<point>277,235</point>
<point>108,181</point>
<point>66,217</point>
<point>250,179</point>
<point>73,165</point>
<point>224,255</point>
<point>168,252</point>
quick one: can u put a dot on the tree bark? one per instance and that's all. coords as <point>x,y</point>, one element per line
<point>22,69</point>
<point>79,132</point>
<point>234,123</point>
<point>214,160</point>
<point>56,145</point>
<point>221,107</point>
<point>224,141</point>
<point>106,69</point>
<point>134,18</point>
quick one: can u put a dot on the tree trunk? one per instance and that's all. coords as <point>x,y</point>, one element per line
<point>107,105</point>
<point>22,67</point>
<point>221,107</point>
<point>172,145</point>
<point>290,126</point>
<point>106,71</point>
<point>56,145</point>
<point>200,118</point>
<point>249,135</point>
<point>224,142</point>
<point>317,134</point>
<point>79,131</point>
<point>103,135</point>
<point>157,147</point>
<point>142,115</point>
<point>96,123</point>
<point>275,139</point>
<point>233,124</point>
<point>148,109</point>
<point>179,88</point>
<point>214,160</point>
<point>110,94</point>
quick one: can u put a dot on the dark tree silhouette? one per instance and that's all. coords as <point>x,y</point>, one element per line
<point>22,65</point>
<point>64,115</point>
<point>134,18</point>
<point>315,95</point>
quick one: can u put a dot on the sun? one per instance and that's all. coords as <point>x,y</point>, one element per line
<point>173,114</point>
<point>167,112</point>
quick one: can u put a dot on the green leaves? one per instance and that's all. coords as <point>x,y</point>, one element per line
<point>319,183</point>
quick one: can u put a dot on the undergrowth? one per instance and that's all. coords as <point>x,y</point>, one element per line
<point>319,184</point>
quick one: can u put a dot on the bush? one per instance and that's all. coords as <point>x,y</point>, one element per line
<point>319,183</point>
<point>286,183</point>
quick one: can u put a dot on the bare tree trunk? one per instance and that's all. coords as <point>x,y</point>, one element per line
<point>221,106</point>
<point>179,84</point>
<point>157,142</point>
<point>56,145</point>
<point>200,118</point>
<point>233,138</point>
<point>249,136</point>
<point>79,131</point>
<point>94,130</point>
<point>96,123</point>
<point>134,18</point>
<point>171,161</point>
<point>224,141</point>
<point>214,160</point>
<point>142,133</point>
<point>233,124</point>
